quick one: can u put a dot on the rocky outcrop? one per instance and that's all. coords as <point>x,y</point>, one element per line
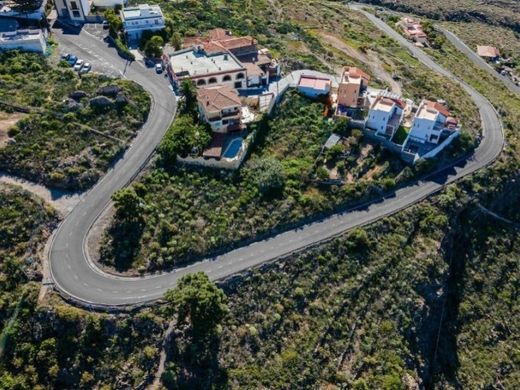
<point>78,95</point>
<point>100,102</point>
<point>109,90</point>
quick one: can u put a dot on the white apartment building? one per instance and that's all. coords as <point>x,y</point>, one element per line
<point>25,40</point>
<point>385,115</point>
<point>429,122</point>
<point>73,10</point>
<point>144,17</point>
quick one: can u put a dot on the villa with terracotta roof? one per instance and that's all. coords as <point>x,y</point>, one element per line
<point>220,107</point>
<point>489,52</point>
<point>385,116</point>
<point>413,30</point>
<point>252,67</point>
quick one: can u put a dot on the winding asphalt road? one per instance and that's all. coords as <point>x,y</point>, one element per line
<point>78,279</point>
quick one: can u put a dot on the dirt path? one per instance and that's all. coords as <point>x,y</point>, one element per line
<point>7,120</point>
<point>372,61</point>
<point>62,201</point>
<point>156,385</point>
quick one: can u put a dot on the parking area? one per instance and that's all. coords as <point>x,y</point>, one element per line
<point>96,29</point>
<point>89,43</point>
<point>89,50</point>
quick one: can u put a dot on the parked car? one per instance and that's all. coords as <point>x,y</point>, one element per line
<point>158,68</point>
<point>86,68</point>
<point>78,65</point>
<point>65,56</point>
<point>105,25</point>
<point>72,60</point>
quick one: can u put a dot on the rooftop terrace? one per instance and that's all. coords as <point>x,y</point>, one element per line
<point>195,62</point>
<point>141,11</point>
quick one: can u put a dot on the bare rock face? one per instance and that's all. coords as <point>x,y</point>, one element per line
<point>78,95</point>
<point>100,102</point>
<point>109,90</point>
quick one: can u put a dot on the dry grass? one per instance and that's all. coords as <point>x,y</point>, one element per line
<point>474,34</point>
<point>495,12</point>
<point>7,120</point>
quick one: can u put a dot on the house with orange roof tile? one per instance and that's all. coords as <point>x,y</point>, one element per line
<point>220,107</point>
<point>258,65</point>
<point>489,52</point>
<point>413,30</point>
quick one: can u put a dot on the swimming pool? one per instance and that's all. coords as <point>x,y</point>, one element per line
<point>233,148</point>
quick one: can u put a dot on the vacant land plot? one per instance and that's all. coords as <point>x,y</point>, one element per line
<point>76,127</point>
<point>7,121</point>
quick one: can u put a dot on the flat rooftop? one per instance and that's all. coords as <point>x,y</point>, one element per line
<point>384,105</point>
<point>20,35</point>
<point>426,112</point>
<point>198,63</point>
<point>141,11</point>
<point>314,82</point>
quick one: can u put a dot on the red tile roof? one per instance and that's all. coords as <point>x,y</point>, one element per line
<point>237,42</point>
<point>218,98</point>
<point>356,72</point>
<point>488,51</point>
<point>439,107</point>
<point>253,69</point>
<point>314,82</point>
<point>218,34</point>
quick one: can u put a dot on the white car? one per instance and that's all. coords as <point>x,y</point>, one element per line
<point>86,68</point>
<point>158,68</point>
<point>78,65</point>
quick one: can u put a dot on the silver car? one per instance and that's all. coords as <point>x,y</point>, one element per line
<point>78,65</point>
<point>86,68</point>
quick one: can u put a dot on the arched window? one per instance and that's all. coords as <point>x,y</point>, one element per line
<point>212,80</point>
<point>226,78</point>
<point>201,82</point>
<point>240,76</point>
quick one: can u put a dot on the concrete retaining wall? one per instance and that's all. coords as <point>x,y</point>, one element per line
<point>442,146</point>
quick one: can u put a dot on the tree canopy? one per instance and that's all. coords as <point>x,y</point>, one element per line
<point>189,91</point>
<point>153,47</point>
<point>268,175</point>
<point>182,137</point>
<point>128,204</point>
<point>199,300</point>
<point>26,6</point>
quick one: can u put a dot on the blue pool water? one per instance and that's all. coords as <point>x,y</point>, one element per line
<point>233,148</point>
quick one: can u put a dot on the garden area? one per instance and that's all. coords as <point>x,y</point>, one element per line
<point>76,126</point>
<point>175,214</point>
